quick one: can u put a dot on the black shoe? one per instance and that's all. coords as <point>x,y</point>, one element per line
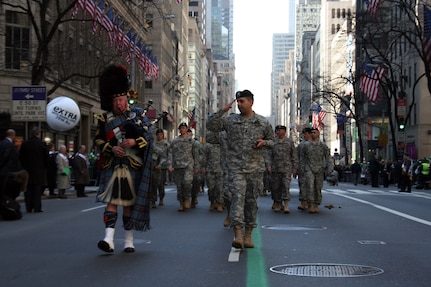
<point>103,245</point>
<point>129,250</point>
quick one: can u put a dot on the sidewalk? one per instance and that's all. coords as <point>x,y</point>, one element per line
<point>70,193</point>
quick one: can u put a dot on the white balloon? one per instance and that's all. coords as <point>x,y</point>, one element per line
<point>62,114</point>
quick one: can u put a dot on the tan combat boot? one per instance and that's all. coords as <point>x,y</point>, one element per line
<point>286,207</point>
<point>277,207</point>
<point>186,203</point>
<point>313,208</point>
<point>220,207</point>
<point>303,205</point>
<point>212,205</point>
<point>226,222</point>
<point>181,208</point>
<point>238,241</point>
<point>248,243</point>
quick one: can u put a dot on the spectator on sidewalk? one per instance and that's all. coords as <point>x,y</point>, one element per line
<point>80,169</point>
<point>63,172</point>
<point>34,159</point>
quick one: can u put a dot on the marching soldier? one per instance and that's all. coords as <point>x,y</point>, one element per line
<point>247,136</point>
<point>317,161</point>
<point>184,163</point>
<point>283,164</point>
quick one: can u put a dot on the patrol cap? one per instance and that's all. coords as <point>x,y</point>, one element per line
<point>159,131</point>
<point>245,93</point>
<point>182,125</point>
<point>306,130</point>
<point>280,127</point>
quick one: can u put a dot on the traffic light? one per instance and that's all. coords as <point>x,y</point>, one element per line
<point>310,119</point>
<point>401,124</point>
<point>132,96</point>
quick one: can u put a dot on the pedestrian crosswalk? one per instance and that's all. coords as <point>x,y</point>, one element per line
<point>376,191</point>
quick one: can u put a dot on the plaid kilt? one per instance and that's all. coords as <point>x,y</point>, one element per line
<point>140,218</point>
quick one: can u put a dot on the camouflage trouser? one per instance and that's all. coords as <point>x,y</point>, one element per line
<point>215,182</point>
<point>226,189</point>
<point>196,185</point>
<point>280,189</point>
<point>267,177</point>
<point>302,190</point>
<point>183,180</point>
<point>162,181</point>
<point>313,183</point>
<point>245,189</point>
<point>155,179</point>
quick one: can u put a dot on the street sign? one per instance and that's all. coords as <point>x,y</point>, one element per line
<point>28,103</point>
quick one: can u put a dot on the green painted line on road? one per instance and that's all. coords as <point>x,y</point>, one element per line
<point>256,269</point>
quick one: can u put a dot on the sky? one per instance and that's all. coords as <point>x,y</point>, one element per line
<point>254,24</point>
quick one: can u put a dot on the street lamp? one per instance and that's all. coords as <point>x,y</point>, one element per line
<point>149,23</point>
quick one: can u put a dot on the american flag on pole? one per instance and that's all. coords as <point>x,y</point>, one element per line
<point>372,6</point>
<point>370,80</point>
<point>191,116</point>
<point>318,116</point>
<point>179,1</point>
<point>427,35</point>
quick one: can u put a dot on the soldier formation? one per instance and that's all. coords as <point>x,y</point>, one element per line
<point>240,154</point>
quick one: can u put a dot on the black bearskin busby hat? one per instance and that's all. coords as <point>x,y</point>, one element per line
<point>113,81</point>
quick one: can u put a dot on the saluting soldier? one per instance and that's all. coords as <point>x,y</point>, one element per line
<point>247,135</point>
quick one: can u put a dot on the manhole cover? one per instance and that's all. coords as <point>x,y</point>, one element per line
<point>292,227</point>
<point>326,270</point>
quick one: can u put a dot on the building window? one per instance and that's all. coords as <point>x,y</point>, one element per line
<point>17,39</point>
<point>148,84</point>
<point>194,3</point>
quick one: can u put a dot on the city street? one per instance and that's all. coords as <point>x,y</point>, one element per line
<point>363,237</point>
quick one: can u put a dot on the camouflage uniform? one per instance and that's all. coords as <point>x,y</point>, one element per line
<point>301,169</point>
<point>283,159</point>
<point>158,159</point>
<point>213,171</point>
<point>184,158</point>
<point>316,162</point>
<point>164,147</point>
<point>227,195</point>
<point>266,175</point>
<point>245,164</point>
<point>197,177</point>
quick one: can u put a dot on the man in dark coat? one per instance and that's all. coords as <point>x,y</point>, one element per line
<point>9,160</point>
<point>374,168</point>
<point>34,159</point>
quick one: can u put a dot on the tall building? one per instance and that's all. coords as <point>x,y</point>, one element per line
<point>282,43</point>
<point>307,19</point>
<point>221,34</point>
<point>220,41</point>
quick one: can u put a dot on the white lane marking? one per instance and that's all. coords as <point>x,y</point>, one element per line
<point>413,218</point>
<point>234,255</point>
<point>93,208</point>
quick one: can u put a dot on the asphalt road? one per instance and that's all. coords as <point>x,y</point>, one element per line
<point>371,237</point>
